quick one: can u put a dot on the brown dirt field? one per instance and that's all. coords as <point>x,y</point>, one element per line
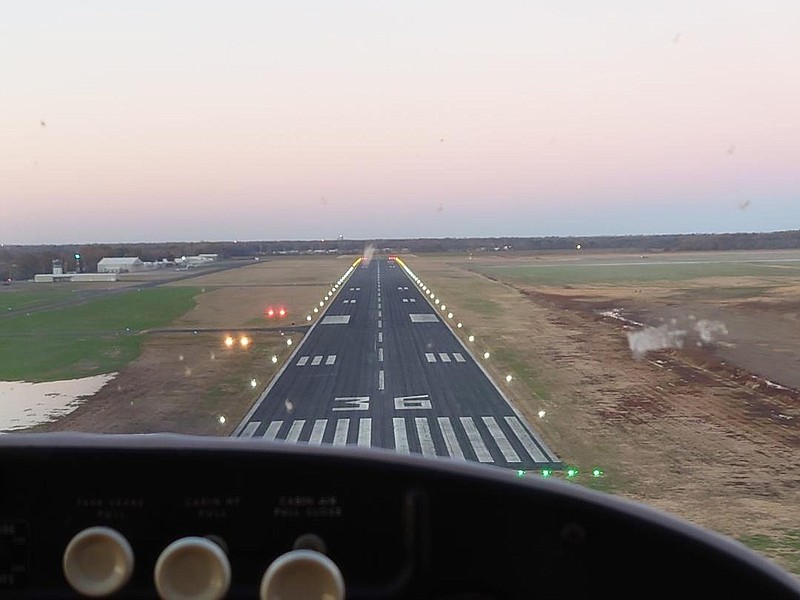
<point>684,431</point>
<point>239,297</point>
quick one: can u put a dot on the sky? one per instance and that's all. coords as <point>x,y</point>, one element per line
<point>158,121</point>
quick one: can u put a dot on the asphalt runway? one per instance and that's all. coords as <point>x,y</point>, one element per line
<point>380,368</point>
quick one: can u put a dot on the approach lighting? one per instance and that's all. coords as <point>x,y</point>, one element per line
<point>520,473</point>
<point>547,472</point>
<point>572,472</point>
<point>229,341</point>
<point>244,341</point>
<point>597,472</point>
<point>282,312</point>
<point>270,312</point>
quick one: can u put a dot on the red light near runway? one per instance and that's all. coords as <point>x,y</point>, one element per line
<point>270,312</point>
<point>282,312</point>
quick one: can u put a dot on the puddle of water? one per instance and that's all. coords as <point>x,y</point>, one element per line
<point>24,404</point>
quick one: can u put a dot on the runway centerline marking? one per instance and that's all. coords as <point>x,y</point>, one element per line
<point>380,380</point>
<point>380,336</point>
<point>380,354</point>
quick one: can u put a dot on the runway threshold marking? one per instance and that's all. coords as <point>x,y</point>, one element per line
<point>474,437</point>
<point>450,439</point>
<point>365,432</point>
<point>250,429</point>
<point>295,430</point>
<point>400,435</point>
<point>318,431</point>
<point>502,441</point>
<point>272,430</point>
<point>526,440</point>
<point>340,435</point>
<point>425,439</point>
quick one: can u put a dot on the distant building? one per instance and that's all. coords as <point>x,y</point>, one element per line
<point>120,265</point>
<point>209,257</point>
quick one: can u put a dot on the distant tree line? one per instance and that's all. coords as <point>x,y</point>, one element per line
<point>23,262</point>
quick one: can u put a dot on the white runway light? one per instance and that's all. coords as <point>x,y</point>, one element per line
<point>221,419</point>
<point>542,414</point>
<point>471,338</point>
<point>485,355</point>
<point>449,315</point>
<point>274,359</point>
<point>253,383</point>
<point>289,342</point>
<point>308,317</point>
<point>459,325</point>
<point>509,378</point>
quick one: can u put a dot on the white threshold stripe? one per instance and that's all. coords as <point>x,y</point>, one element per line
<point>425,439</point>
<point>430,357</point>
<point>318,431</point>
<point>475,440</point>
<point>400,437</point>
<point>380,380</point>
<point>316,360</point>
<point>340,436</point>
<point>303,360</point>
<point>330,360</point>
<point>295,430</point>
<point>250,429</point>
<point>365,432</point>
<point>272,430</point>
<point>380,354</point>
<point>450,439</point>
<point>444,357</point>
<point>502,441</point>
<point>526,440</point>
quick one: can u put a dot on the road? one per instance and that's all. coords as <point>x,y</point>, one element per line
<point>380,368</point>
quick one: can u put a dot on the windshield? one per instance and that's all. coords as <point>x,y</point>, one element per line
<point>551,238</point>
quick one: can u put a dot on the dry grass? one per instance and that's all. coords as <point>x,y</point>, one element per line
<point>678,435</point>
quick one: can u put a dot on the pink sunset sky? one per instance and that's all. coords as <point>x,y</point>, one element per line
<point>151,121</point>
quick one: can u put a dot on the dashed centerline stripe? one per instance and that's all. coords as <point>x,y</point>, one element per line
<point>430,357</point>
<point>380,380</point>
<point>316,360</point>
<point>303,360</point>
<point>459,357</point>
<point>380,336</point>
<point>443,357</point>
<point>330,360</point>
<point>380,354</point>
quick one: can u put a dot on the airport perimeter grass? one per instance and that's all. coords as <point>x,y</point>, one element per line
<point>647,272</point>
<point>17,299</point>
<point>97,337</point>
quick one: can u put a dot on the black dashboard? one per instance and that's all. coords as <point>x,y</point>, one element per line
<point>187,517</point>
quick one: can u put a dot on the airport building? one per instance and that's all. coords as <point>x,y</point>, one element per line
<point>120,265</point>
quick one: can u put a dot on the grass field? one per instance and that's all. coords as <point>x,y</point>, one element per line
<point>610,274</point>
<point>17,299</point>
<point>96,337</point>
